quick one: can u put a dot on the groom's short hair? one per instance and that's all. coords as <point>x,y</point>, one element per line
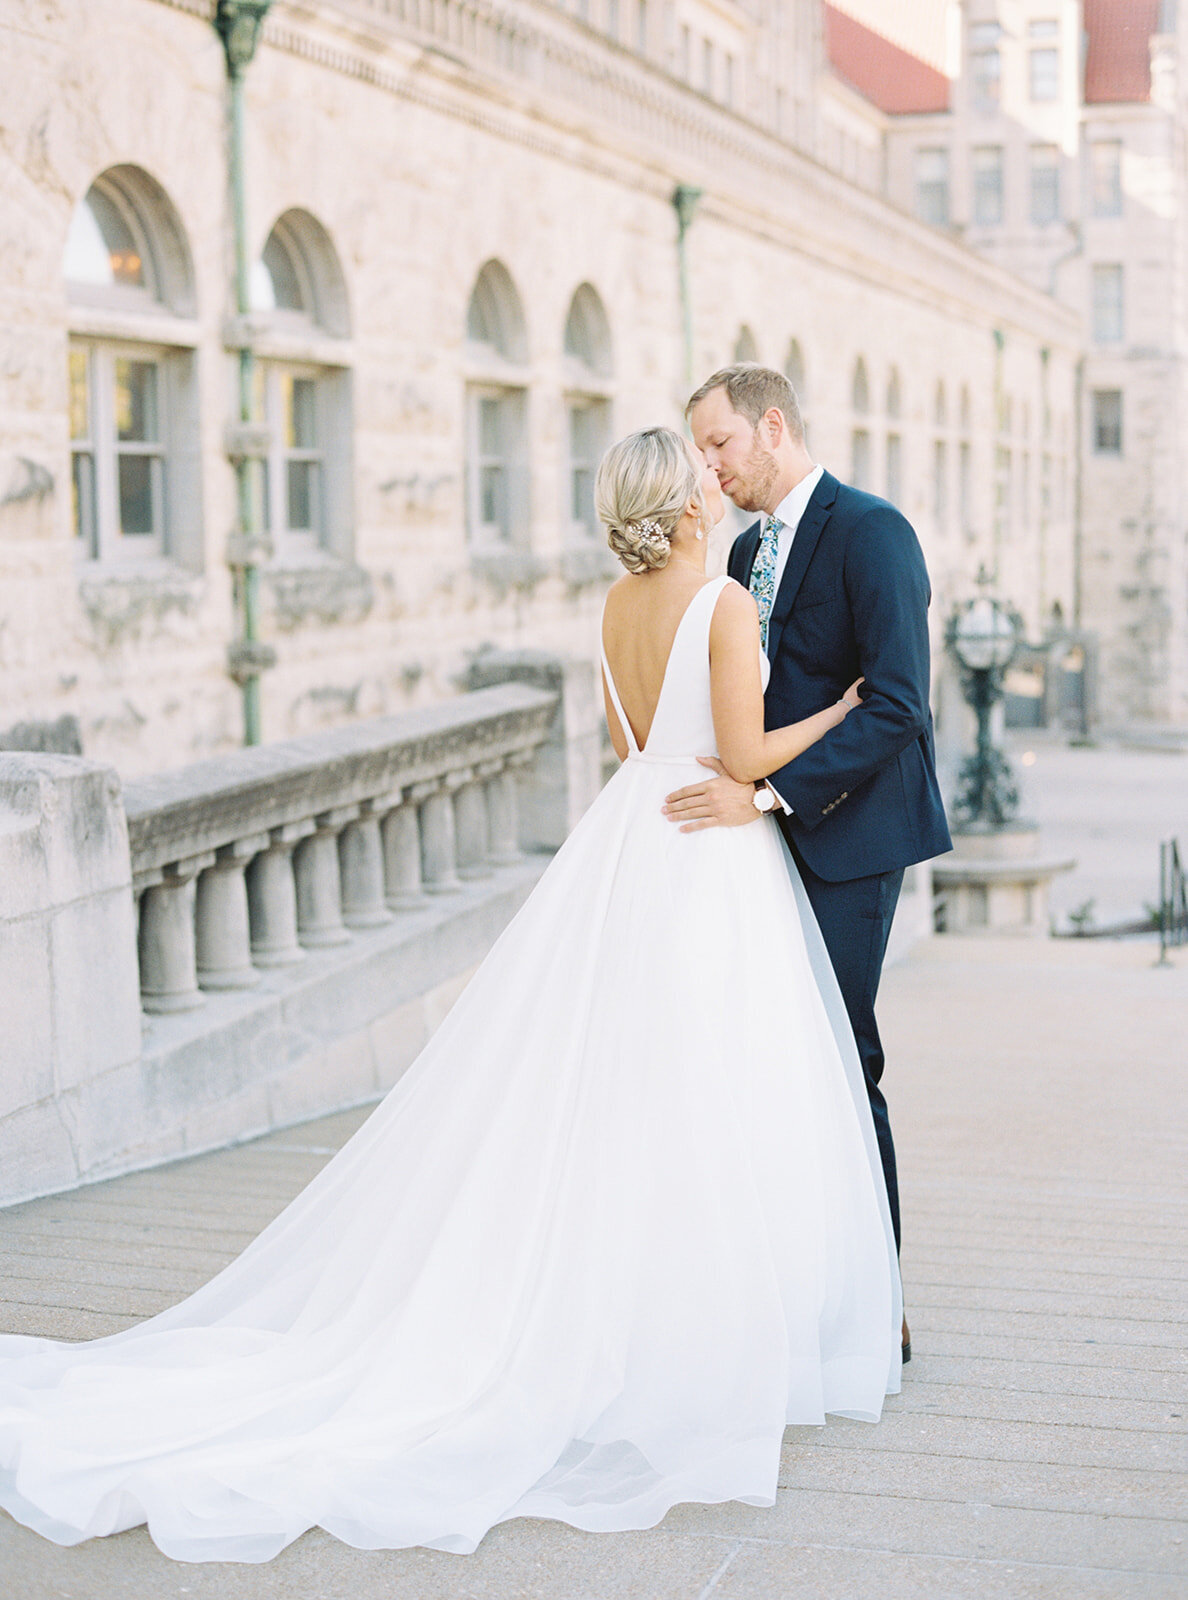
<point>752,391</point>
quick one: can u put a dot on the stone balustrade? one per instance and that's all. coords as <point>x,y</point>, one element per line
<point>250,860</point>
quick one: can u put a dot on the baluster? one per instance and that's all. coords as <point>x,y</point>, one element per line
<point>438,845</point>
<point>402,851</point>
<point>222,943</point>
<point>361,861</point>
<point>168,967</point>
<point>272,899</point>
<point>503,809</point>
<point>488,774</point>
<point>470,819</point>
<point>319,891</point>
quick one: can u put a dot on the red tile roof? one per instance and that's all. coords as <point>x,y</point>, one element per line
<point>889,76</point>
<point>1118,59</point>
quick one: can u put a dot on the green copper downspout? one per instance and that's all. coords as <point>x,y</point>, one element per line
<point>685,198</point>
<point>239,23</point>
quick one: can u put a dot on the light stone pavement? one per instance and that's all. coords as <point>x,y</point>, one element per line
<point>1108,807</point>
<point>1039,1450</point>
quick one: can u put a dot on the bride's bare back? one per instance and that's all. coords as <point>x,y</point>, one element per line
<point>643,612</point>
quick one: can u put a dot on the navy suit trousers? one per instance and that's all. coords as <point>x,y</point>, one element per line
<point>855,921</point>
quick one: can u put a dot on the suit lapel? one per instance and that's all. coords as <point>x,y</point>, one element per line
<point>743,553</point>
<point>816,515</point>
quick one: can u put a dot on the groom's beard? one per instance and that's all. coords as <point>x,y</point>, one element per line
<point>751,487</point>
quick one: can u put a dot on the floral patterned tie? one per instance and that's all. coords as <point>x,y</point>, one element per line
<point>763,574</point>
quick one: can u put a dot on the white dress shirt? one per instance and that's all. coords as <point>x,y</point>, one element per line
<point>789,511</point>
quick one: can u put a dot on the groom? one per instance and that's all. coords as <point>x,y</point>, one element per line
<point>839,579</point>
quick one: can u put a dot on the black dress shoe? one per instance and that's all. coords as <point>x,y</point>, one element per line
<point>907,1351</point>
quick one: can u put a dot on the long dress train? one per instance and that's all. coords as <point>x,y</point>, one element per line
<point>620,1222</point>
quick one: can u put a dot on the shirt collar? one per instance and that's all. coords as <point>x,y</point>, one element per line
<point>792,507</point>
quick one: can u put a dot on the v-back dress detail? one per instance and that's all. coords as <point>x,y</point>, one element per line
<point>621,1221</point>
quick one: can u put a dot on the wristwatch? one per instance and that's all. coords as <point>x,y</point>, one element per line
<point>764,798</point>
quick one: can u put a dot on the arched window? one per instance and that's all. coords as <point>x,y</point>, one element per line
<point>299,324</point>
<point>860,463</point>
<point>894,438</point>
<point>133,409</point>
<point>496,412</point>
<point>588,368</point>
<point>746,347</point>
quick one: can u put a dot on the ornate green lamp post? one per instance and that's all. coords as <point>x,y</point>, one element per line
<point>239,23</point>
<point>983,636</point>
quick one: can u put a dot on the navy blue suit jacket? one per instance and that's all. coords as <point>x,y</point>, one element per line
<point>853,602</point>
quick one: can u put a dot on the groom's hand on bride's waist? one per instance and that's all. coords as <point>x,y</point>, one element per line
<point>717,803</point>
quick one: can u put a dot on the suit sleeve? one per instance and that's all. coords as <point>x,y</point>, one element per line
<point>886,586</point>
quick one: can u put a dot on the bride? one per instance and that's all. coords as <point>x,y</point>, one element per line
<point>620,1223</point>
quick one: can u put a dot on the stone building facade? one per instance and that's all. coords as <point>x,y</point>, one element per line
<point>467,281</point>
<point>1052,141</point>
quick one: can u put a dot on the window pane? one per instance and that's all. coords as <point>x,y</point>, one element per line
<point>860,459</point>
<point>280,288</point>
<point>302,482</point>
<point>491,497</point>
<point>100,247</point>
<point>1107,303</point>
<point>80,408</point>
<point>583,495</point>
<point>894,468</point>
<point>964,482</point>
<point>1107,421</point>
<point>1045,74</point>
<point>82,499</point>
<point>490,429</point>
<point>136,400</point>
<point>1106,177</point>
<point>136,476</point>
<point>986,72</point>
<point>932,186</point>
<point>1045,184</point>
<point>940,471</point>
<point>300,396</point>
<point>581,432</point>
<point>987,185</point>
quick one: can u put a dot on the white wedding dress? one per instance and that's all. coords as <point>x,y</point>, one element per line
<point>620,1222</point>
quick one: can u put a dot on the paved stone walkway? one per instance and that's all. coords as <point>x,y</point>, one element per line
<point>1040,1446</point>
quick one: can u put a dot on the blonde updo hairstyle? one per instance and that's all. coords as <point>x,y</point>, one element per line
<point>643,486</point>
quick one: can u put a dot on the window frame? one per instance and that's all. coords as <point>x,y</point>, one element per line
<point>992,216</point>
<point>1044,216</point>
<point>1117,199</point>
<point>1045,77</point>
<point>289,542</point>
<point>105,541</point>
<point>985,82</point>
<point>486,538</point>
<point>1108,313</point>
<point>938,187</point>
<point>1108,435</point>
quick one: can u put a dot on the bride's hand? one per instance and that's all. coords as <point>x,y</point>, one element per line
<point>852,698</point>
